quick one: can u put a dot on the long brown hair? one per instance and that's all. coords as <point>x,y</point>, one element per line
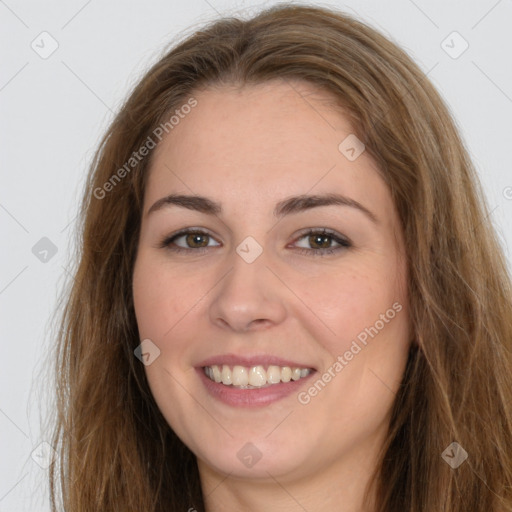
<point>116,451</point>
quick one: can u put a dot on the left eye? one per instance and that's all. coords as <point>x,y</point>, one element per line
<point>319,239</point>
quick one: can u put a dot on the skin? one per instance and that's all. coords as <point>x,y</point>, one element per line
<point>249,148</point>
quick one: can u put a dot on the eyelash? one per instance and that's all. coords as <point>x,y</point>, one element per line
<point>344,243</point>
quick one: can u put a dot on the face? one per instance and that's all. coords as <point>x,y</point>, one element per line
<point>297,306</point>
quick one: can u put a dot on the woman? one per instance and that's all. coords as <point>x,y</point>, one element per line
<point>211,361</point>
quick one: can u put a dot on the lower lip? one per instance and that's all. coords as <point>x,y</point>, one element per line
<point>256,397</point>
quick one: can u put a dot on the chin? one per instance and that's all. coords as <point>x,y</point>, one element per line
<point>260,459</point>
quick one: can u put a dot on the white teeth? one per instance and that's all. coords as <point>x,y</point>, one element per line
<point>296,374</point>
<point>216,374</point>
<point>240,376</point>
<point>226,375</point>
<point>257,376</point>
<point>286,374</point>
<point>254,377</point>
<point>273,375</point>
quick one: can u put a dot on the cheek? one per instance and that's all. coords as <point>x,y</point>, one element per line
<point>161,297</point>
<point>353,302</point>
<point>369,316</point>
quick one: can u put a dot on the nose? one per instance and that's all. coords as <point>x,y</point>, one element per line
<point>249,297</point>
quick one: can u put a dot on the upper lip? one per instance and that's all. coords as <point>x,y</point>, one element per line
<point>250,361</point>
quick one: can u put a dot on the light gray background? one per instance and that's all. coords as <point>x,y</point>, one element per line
<point>54,110</point>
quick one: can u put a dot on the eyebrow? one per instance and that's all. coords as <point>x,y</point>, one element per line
<point>291,205</point>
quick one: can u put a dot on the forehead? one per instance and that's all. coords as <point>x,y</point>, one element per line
<point>261,143</point>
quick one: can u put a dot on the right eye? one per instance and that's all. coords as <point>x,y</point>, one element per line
<point>194,240</point>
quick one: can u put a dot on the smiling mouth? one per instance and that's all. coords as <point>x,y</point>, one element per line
<point>254,377</point>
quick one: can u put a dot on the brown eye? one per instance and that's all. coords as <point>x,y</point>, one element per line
<point>188,240</point>
<point>321,242</point>
<point>196,238</point>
